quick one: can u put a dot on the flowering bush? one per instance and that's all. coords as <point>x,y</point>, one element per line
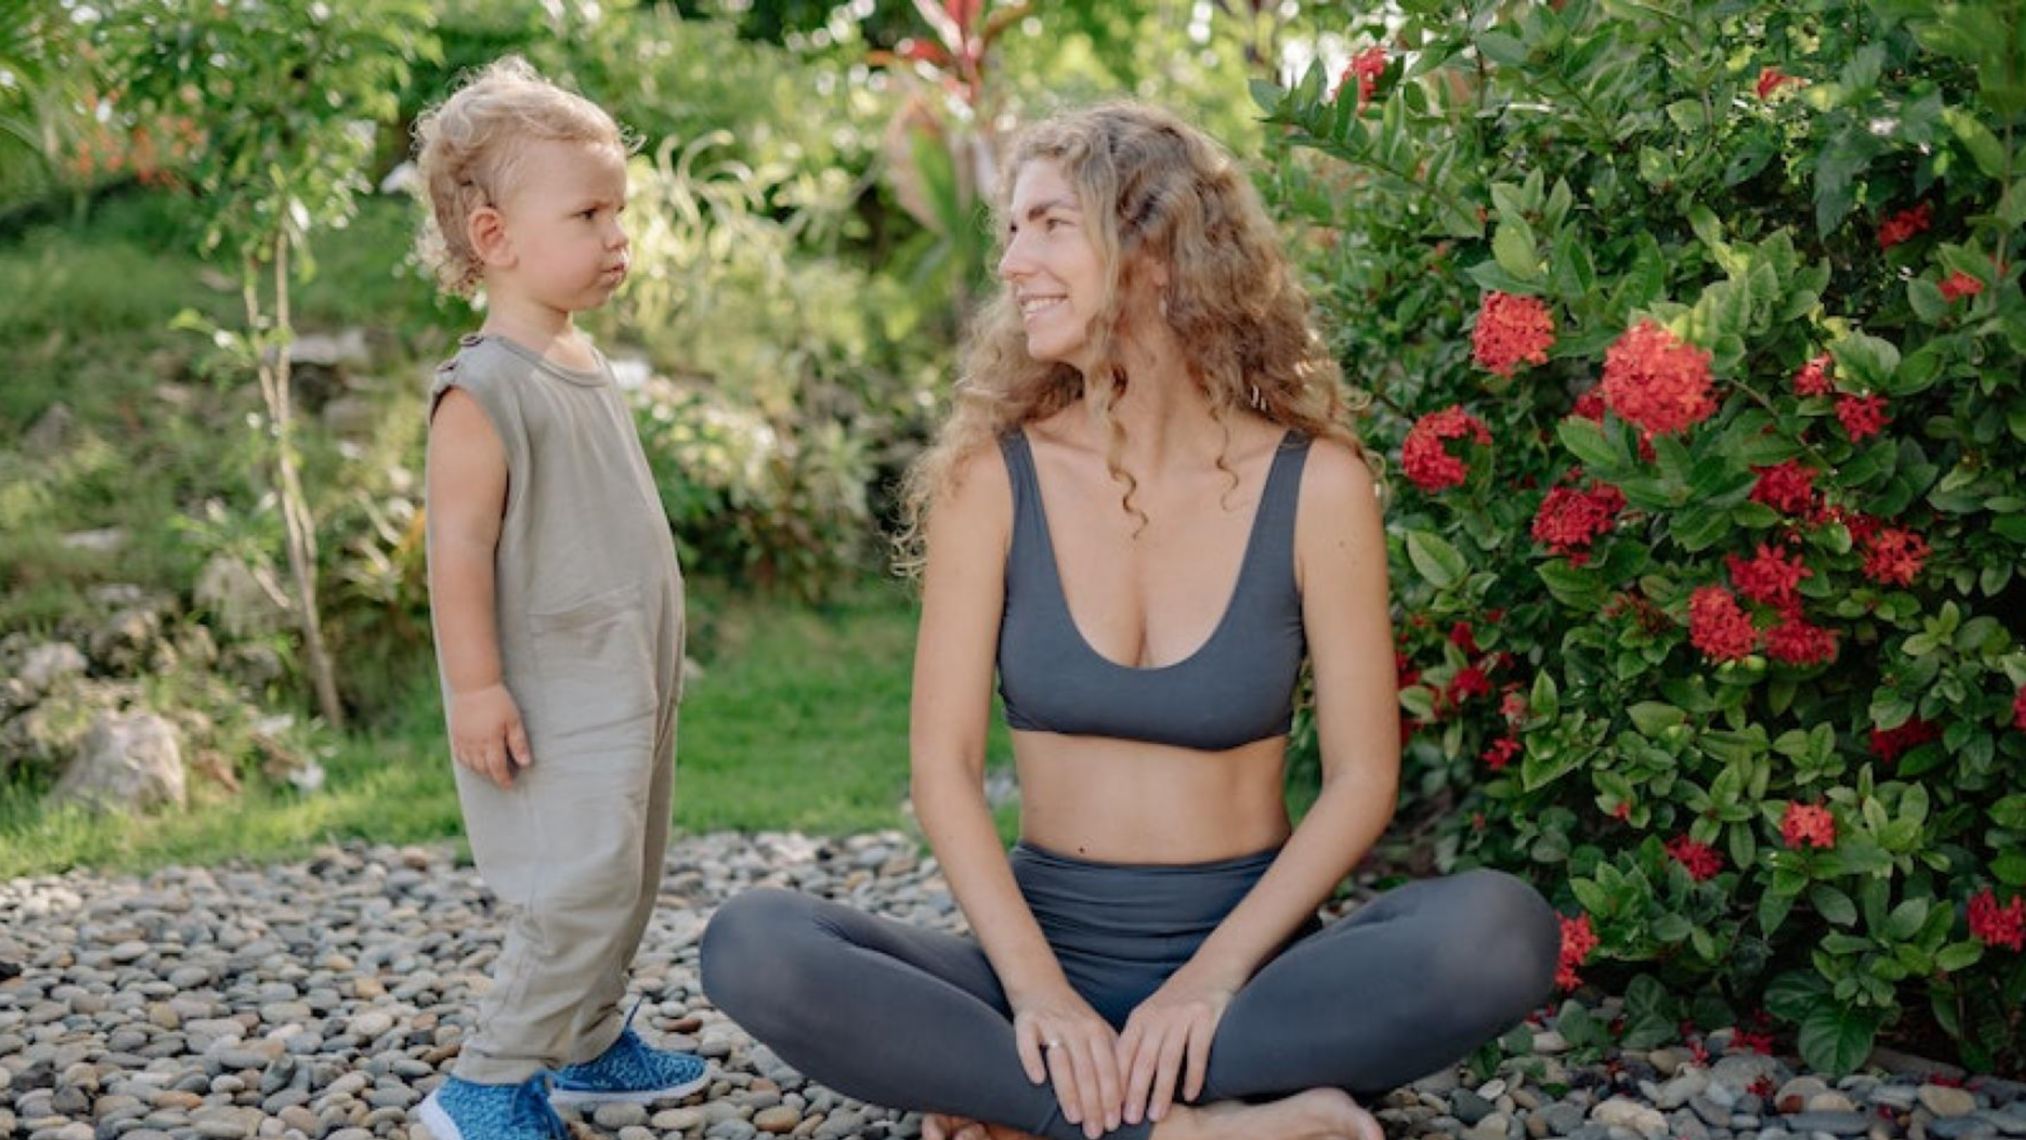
<point>1698,337</point>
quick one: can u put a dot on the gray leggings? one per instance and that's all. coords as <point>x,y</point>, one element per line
<point>899,1016</point>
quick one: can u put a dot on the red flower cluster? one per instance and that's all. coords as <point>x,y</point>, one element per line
<point>1795,642</point>
<point>1701,860</point>
<point>1772,78</point>
<point>1570,520</point>
<point>1426,461</point>
<point>1994,925</point>
<point>2019,709</point>
<point>1469,681</point>
<point>1718,626</point>
<point>1960,284</point>
<point>1813,378</point>
<point>1577,942</point>
<point>1513,706</point>
<point>1366,67</point>
<point>1589,406</point>
<point>1809,824</point>
<point>1894,557</point>
<point>1501,753</point>
<point>1512,330</point>
<point>1655,381</point>
<point>1889,744</point>
<point>1769,577</point>
<point>1904,225</point>
<point>1463,637</point>
<point>1862,416</point>
<point>1786,487</point>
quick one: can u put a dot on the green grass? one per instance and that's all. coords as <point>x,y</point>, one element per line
<point>800,722</point>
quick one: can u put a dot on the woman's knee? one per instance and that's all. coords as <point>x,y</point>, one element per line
<point>1510,938</point>
<point>748,958</point>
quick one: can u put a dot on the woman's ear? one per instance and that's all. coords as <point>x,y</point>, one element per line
<point>487,232</point>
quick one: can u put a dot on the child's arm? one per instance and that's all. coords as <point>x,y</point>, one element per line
<point>467,485</point>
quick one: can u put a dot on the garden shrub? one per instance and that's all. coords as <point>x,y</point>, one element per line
<point>1695,334</point>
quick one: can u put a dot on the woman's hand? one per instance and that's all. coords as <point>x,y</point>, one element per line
<point>1168,1038</point>
<point>486,734</point>
<point>1062,1040</point>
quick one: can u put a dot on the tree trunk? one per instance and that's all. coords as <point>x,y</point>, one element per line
<point>295,512</point>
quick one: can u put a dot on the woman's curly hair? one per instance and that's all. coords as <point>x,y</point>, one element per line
<point>1153,191</point>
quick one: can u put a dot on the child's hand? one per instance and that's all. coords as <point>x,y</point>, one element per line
<point>486,734</point>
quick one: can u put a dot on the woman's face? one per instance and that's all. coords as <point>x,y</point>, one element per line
<point>1051,265</point>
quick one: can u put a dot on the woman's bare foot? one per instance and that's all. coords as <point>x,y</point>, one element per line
<point>937,1126</point>
<point>1318,1114</point>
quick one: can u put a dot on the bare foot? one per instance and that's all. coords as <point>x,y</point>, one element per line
<point>937,1126</point>
<point>1318,1114</point>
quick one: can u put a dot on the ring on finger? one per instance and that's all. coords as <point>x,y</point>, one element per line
<point>1054,1043</point>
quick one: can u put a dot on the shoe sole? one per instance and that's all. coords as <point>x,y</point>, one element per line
<point>571,1097</point>
<point>440,1126</point>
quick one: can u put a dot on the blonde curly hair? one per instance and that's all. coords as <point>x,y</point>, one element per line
<point>468,146</point>
<point>1153,191</point>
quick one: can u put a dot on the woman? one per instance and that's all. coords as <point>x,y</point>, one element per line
<point>1145,511</point>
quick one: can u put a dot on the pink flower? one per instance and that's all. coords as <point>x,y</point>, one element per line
<point>1426,461</point>
<point>1501,753</point>
<point>1960,284</point>
<point>1769,577</point>
<point>1701,860</point>
<point>1771,79</point>
<point>1862,416</point>
<point>1578,940</point>
<point>1511,330</point>
<point>1655,381</point>
<point>1894,556</point>
<point>1902,226</point>
<point>1994,925</point>
<point>1808,824</point>
<point>1366,67</point>
<point>1813,378</point>
<point>1717,626</point>
<point>1786,487</point>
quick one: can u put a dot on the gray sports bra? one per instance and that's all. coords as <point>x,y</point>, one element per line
<point>1236,688</point>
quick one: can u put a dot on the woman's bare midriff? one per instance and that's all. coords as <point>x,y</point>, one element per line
<point>1129,801</point>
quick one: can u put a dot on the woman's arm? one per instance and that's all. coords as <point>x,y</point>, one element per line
<point>1340,567</point>
<point>963,589</point>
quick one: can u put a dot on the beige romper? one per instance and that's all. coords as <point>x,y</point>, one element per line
<point>590,618</point>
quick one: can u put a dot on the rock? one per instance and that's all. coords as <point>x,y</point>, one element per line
<point>351,417</point>
<point>1469,1107</point>
<point>104,540</point>
<point>1624,1112</point>
<point>1793,1096</point>
<point>246,601</point>
<point>128,762</point>
<point>777,1120</point>
<point>1681,1090</point>
<point>46,664</point>
<point>1947,1100</point>
<point>50,432</point>
<point>1834,1123</point>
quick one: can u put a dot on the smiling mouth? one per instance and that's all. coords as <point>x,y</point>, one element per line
<point>1031,305</point>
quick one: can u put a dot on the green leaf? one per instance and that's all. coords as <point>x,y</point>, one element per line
<point>1833,904</point>
<point>2010,868</point>
<point>1654,717</point>
<point>1545,700</point>
<point>1984,147</point>
<point>1435,559</point>
<point>1794,994</point>
<point>1516,253</point>
<point>1836,1038</point>
<point>1959,955</point>
<point>1906,919</point>
<point>2010,812</point>
<point>1585,440</point>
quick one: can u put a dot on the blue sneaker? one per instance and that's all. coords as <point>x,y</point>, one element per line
<point>466,1110</point>
<point>631,1072</point>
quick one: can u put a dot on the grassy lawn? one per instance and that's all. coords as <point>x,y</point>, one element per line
<point>800,722</point>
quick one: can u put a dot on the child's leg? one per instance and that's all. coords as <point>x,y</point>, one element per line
<point>566,848</point>
<point>600,1018</point>
<point>1408,983</point>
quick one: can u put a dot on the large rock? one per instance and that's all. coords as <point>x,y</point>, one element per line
<point>247,600</point>
<point>46,664</point>
<point>129,761</point>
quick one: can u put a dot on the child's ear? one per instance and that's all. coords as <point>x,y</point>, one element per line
<point>486,230</point>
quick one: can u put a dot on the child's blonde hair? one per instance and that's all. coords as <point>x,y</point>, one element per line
<point>467,148</point>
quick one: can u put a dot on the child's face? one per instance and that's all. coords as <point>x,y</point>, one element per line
<point>566,247</point>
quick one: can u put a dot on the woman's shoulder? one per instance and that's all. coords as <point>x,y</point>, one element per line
<point>1336,476</point>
